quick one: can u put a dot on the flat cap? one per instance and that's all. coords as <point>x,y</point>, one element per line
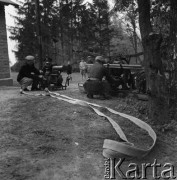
<point>29,58</point>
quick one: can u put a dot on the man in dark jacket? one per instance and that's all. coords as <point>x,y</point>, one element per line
<point>29,75</point>
<point>95,85</point>
<point>69,69</point>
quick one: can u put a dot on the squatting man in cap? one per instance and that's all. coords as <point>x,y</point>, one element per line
<point>29,75</point>
<point>95,85</point>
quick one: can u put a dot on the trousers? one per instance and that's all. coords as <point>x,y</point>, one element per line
<point>96,87</point>
<point>25,82</point>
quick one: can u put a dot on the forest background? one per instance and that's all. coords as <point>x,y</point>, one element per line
<point>74,29</point>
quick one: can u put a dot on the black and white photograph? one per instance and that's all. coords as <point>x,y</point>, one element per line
<point>88,89</point>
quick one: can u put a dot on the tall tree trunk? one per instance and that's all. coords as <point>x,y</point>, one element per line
<point>135,39</point>
<point>109,51</point>
<point>158,104</point>
<point>61,32</point>
<point>39,34</point>
<point>173,31</point>
<point>72,36</point>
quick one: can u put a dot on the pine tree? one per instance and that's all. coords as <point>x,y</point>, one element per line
<point>102,27</point>
<point>26,32</point>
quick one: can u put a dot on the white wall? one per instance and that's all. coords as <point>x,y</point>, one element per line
<point>10,11</point>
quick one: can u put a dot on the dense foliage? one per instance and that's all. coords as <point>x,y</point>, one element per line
<point>70,29</point>
<point>157,21</point>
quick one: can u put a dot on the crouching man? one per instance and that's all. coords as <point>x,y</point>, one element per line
<point>95,85</point>
<point>29,75</point>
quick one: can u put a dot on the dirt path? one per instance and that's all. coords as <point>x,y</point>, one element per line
<point>45,139</point>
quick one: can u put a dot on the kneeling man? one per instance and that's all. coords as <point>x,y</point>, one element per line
<point>95,84</point>
<point>29,75</point>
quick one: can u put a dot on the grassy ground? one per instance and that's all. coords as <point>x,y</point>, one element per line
<point>42,138</point>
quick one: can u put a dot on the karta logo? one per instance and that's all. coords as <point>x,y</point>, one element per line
<point>135,171</point>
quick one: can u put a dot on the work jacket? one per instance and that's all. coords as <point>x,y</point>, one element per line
<point>98,71</point>
<point>26,70</point>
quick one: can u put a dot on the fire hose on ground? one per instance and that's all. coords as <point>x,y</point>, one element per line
<point>111,148</point>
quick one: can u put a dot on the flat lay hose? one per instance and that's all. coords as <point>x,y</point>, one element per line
<point>111,148</point>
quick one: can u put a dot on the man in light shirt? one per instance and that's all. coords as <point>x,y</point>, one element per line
<point>83,68</point>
